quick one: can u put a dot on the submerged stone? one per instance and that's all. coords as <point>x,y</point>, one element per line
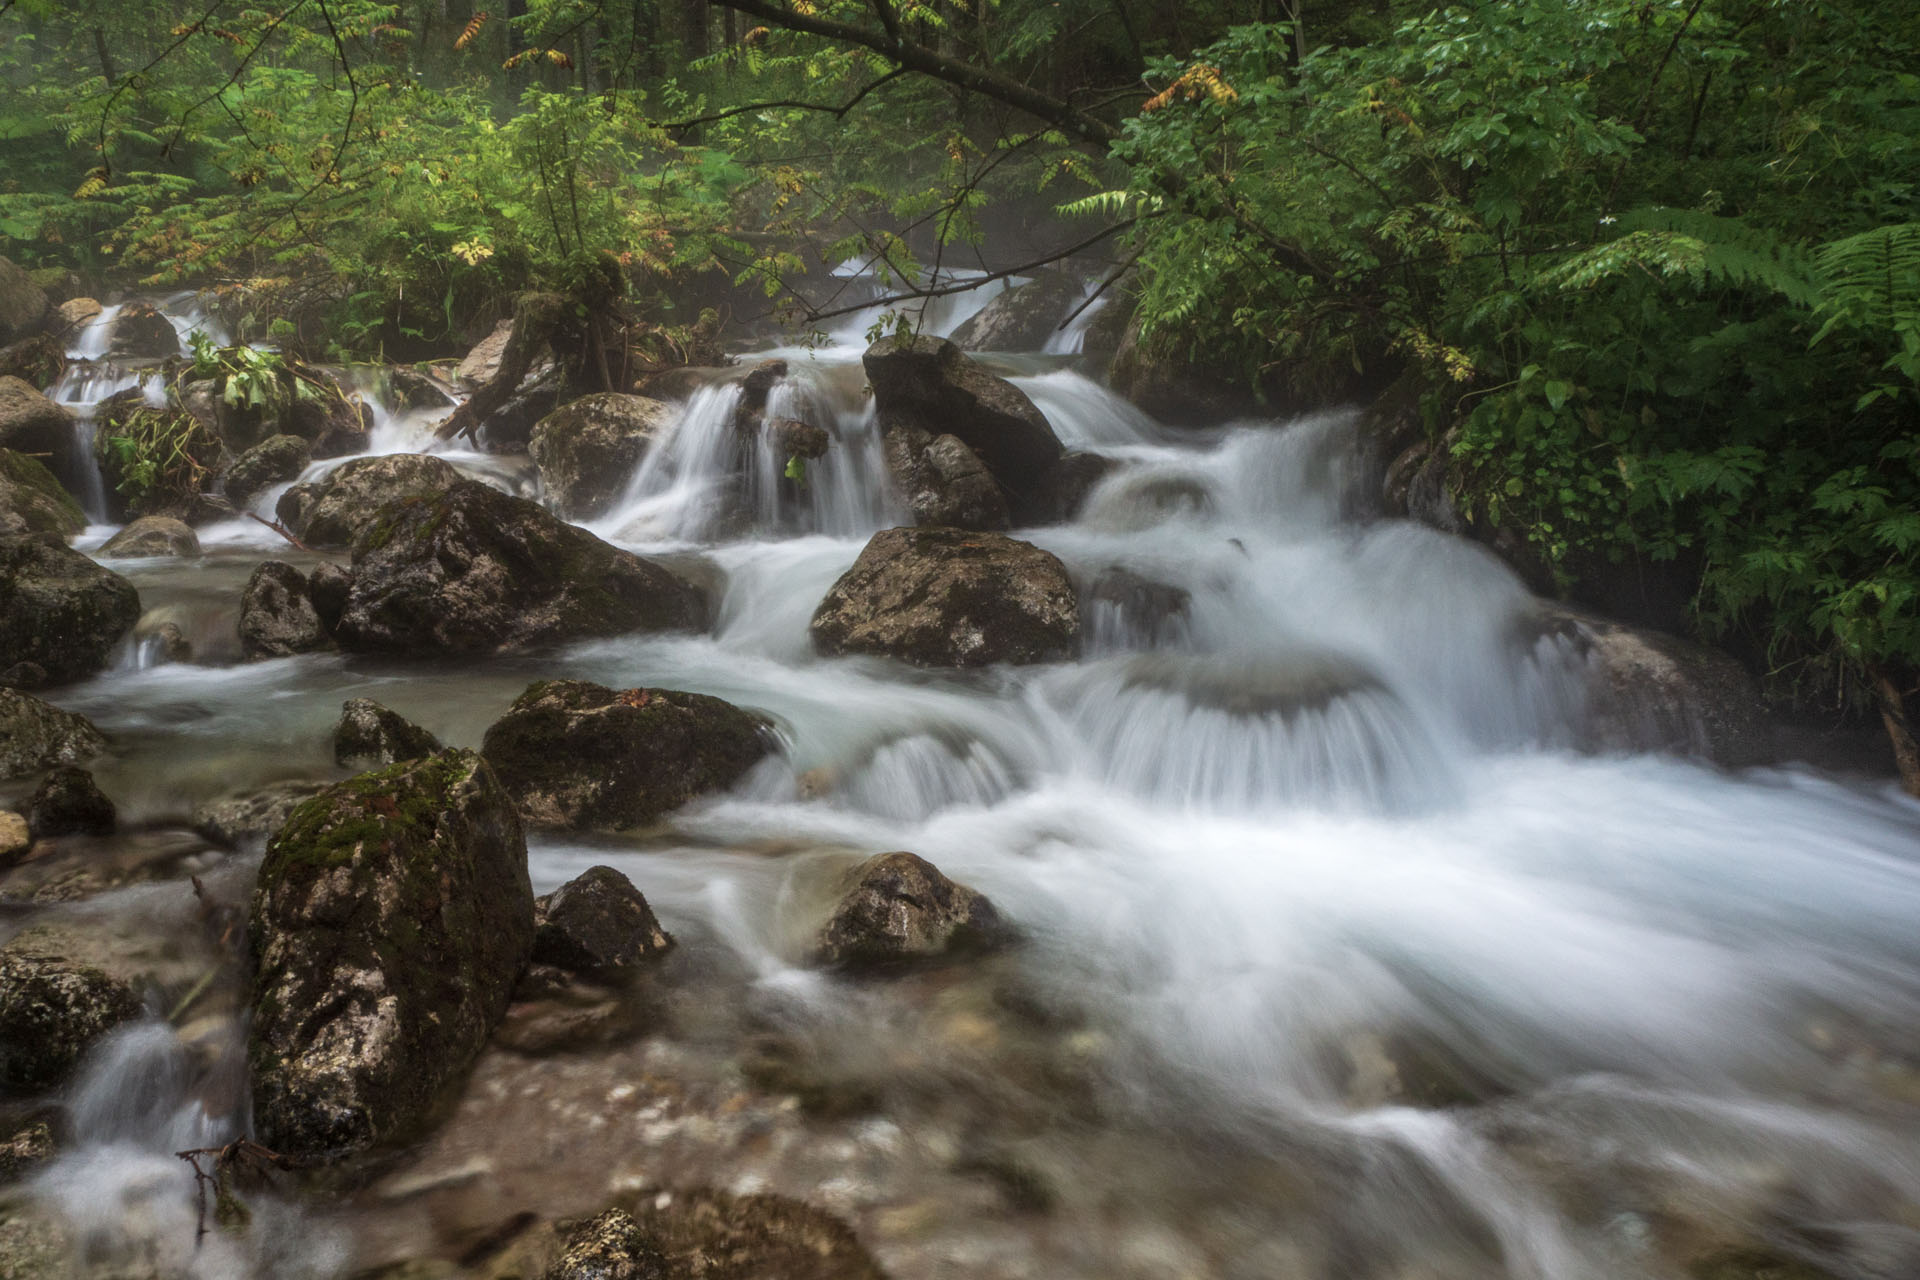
<point>391,918</point>
<point>153,536</point>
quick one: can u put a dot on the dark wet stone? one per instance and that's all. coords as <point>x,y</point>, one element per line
<point>33,501</point>
<point>900,910</point>
<point>69,802</point>
<point>35,735</point>
<point>32,424</point>
<point>597,923</point>
<point>277,617</point>
<point>274,460</point>
<point>951,598</point>
<point>717,1236</point>
<point>59,610</point>
<point>141,332</point>
<point>234,820</point>
<point>153,536</point>
<point>331,513</point>
<point>38,361</point>
<point>370,735</point>
<point>1022,318</point>
<point>473,570</point>
<point>391,918</point>
<point>327,588</point>
<point>943,481</point>
<point>610,1247</point>
<point>588,449</point>
<point>56,998</point>
<point>580,755</point>
<point>25,1151</point>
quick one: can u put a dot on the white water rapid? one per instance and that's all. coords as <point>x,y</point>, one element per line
<point>1338,960</point>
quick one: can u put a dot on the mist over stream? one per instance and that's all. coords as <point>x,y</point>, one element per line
<point>1338,958</point>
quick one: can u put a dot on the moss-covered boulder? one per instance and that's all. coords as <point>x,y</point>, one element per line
<point>369,735</point>
<point>597,923</point>
<point>899,910</point>
<point>277,616</point>
<point>31,423</point>
<point>58,994</point>
<point>392,916</point>
<point>942,597</point>
<point>579,755</point>
<point>35,735</point>
<point>69,802</point>
<point>930,384</point>
<point>274,460</point>
<point>33,501</point>
<point>332,512</point>
<point>475,571</point>
<point>150,537</point>
<point>59,611</point>
<point>588,449</point>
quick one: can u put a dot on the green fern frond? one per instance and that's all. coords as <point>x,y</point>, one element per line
<point>1872,279</point>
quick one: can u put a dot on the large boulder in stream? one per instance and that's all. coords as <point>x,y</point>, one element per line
<point>1022,318</point>
<point>152,537</point>
<point>930,384</point>
<point>950,598</point>
<point>943,481</point>
<point>59,611</point>
<point>579,755</point>
<point>30,423</point>
<point>273,461</point>
<point>60,990</point>
<point>277,615</point>
<point>35,735</point>
<point>899,910</point>
<point>475,571</point>
<point>140,332</point>
<point>69,802</point>
<point>597,923</point>
<point>392,916</point>
<point>331,513</point>
<point>588,448</point>
<point>1650,691</point>
<point>39,360</point>
<point>33,501</point>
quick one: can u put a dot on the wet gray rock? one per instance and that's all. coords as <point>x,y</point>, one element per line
<point>331,513</point>
<point>950,598</point>
<point>370,735</point>
<point>597,923</point>
<point>24,1152</point>
<point>609,1247</point>
<point>58,994</point>
<point>140,332</point>
<point>576,755</point>
<point>483,359</point>
<point>1022,318</point>
<point>1071,481</point>
<point>31,423</point>
<point>59,610</point>
<point>35,735</point>
<point>929,384</point>
<point>234,820</point>
<point>33,501</point>
<point>152,537</point>
<point>900,910</point>
<point>1650,691</point>
<point>588,449</point>
<point>391,918</point>
<point>277,617</point>
<point>473,570</point>
<point>408,389</point>
<point>274,460</point>
<point>69,802</point>
<point>23,304</point>
<point>509,428</point>
<point>943,481</point>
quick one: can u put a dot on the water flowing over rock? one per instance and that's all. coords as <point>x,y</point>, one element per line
<point>23,304</point>
<point>58,994</point>
<point>392,916</point>
<point>59,611</point>
<point>1022,318</point>
<point>72,316</point>
<point>370,735</point>
<point>901,911</point>
<point>152,537</point>
<point>331,513</point>
<point>597,923</point>
<point>35,735</point>
<point>943,481</point>
<point>69,802</point>
<point>1650,691</point>
<point>930,384</point>
<point>473,570</point>
<point>588,448</point>
<point>950,598</point>
<point>579,755</point>
<point>33,501</point>
<point>140,332</point>
<point>277,617</point>
<point>30,423</point>
<point>274,460</point>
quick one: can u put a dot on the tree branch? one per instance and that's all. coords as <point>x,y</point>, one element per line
<point>838,113</point>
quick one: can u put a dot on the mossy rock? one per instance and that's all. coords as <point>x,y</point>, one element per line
<point>274,460</point>
<point>57,996</point>
<point>347,501</point>
<point>392,915</point>
<point>155,461</point>
<point>577,755</point>
<point>59,611</point>
<point>33,501</point>
<point>588,449</point>
<point>36,735</point>
<point>476,571</point>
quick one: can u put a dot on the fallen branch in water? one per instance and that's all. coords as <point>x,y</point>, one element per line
<point>242,1155</point>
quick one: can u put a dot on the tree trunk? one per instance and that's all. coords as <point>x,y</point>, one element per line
<point>1900,712</point>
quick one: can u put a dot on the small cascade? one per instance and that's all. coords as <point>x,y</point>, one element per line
<point>1070,339</point>
<point>91,340</point>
